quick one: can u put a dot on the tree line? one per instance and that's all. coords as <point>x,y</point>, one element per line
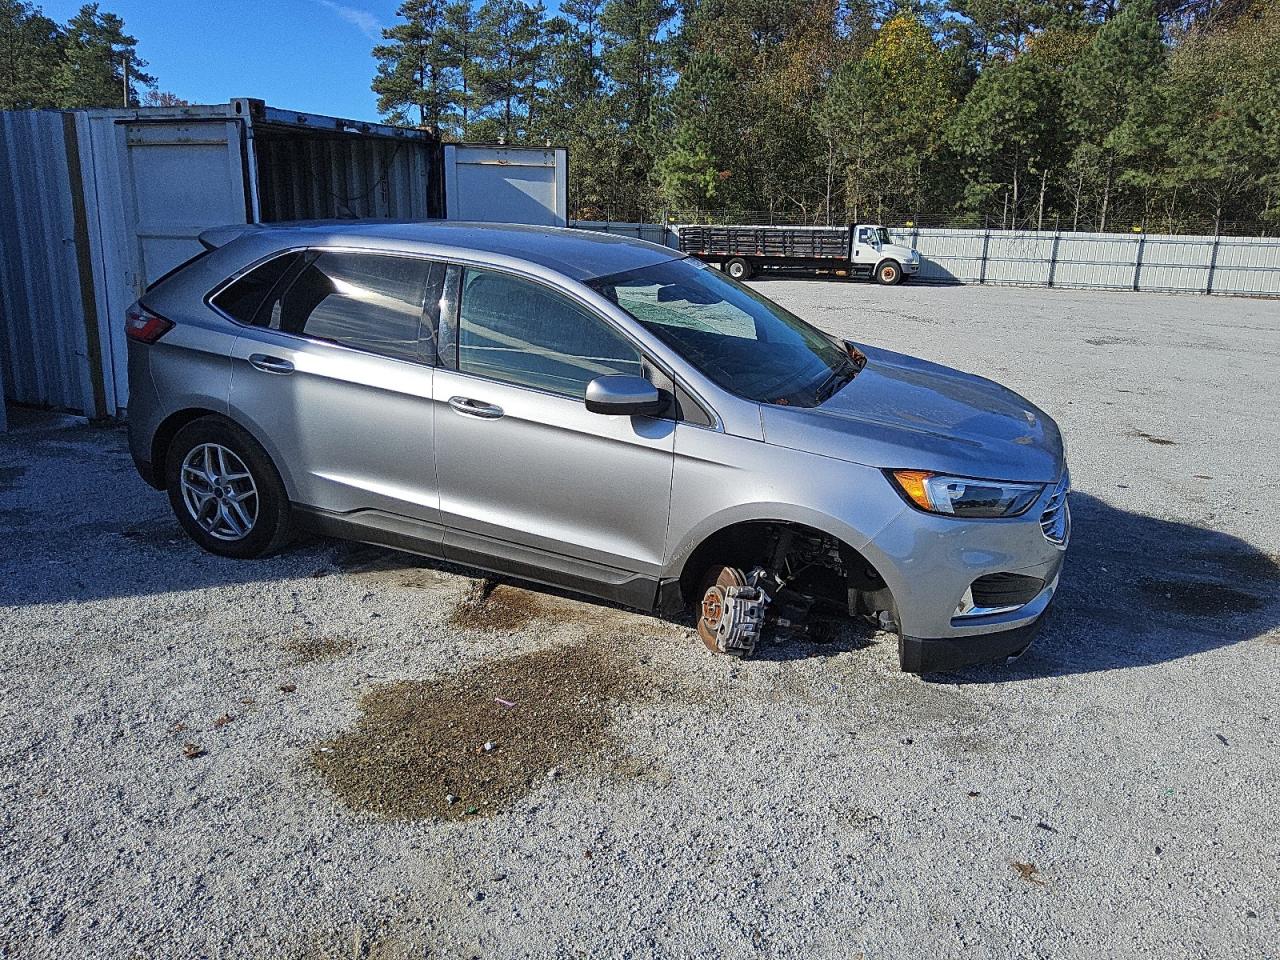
<point>1161,115</point>
<point>89,61</point>
<point>1066,114</point>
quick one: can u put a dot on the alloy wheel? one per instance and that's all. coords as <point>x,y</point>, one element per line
<point>219,492</point>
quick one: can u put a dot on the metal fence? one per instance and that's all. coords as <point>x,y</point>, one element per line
<point>1248,266</point>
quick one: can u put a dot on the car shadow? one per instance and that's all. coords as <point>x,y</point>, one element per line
<point>1137,590</point>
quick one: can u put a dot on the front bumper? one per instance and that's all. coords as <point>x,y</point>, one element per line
<point>909,267</point>
<point>917,655</point>
<point>934,565</point>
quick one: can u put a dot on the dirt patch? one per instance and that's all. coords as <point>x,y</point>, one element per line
<point>473,742</point>
<point>388,568</point>
<point>497,607</point>
<point>312,649</point>
<point>1198,598</point>
<point>1110,341</point>
<point>1161,441</point>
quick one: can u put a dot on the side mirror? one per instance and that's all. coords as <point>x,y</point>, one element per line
<point>622,396</point>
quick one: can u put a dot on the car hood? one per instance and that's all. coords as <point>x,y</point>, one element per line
<point>903,412</point>
<point>897,250</point>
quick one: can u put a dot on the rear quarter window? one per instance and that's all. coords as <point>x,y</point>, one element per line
<point>244,297</point>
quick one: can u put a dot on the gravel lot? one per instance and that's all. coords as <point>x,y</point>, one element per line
<point>1113,793</point>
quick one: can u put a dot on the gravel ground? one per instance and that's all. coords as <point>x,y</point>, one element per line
<point>1112,793</point>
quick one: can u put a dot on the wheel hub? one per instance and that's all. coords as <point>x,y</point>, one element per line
<point>713,607</point>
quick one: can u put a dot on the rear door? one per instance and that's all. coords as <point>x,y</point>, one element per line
<point>519,458</point>
<point>334,376</point>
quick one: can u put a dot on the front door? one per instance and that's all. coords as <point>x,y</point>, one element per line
<point>519,459</point>
<point>335,377</point>
<point>866,251</point>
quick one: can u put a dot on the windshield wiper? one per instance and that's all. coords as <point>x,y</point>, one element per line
<point>832,384</point>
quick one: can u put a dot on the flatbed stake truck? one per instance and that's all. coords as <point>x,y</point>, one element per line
<point>863,251</point>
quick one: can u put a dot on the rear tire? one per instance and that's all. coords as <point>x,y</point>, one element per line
<point>889,273</point>
<point>225,491</point>
<point>739,269</point>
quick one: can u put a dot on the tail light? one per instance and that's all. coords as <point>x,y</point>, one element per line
<point>145,326</point>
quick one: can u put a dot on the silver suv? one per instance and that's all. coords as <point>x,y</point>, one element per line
<point>598,414</point>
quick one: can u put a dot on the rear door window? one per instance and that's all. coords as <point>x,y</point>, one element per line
<point>378,303</point>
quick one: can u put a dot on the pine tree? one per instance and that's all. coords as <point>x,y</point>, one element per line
<point>636,62</point>
<point>461,43</point>
<point>703,147</point>
<point>100,67</point>
<point>1111,78</point>
<point>31,48</point>
<point>1008,134</point>
<point>583,19</point>
<point>410,82</point>
<point>509,67</point>
<point>576,112</point>
<point>1200,146</point>
<point>1002,28</point>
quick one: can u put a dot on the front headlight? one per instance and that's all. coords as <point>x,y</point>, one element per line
<point>964,496</point>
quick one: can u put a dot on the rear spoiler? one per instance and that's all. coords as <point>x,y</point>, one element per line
<point>216,237</point>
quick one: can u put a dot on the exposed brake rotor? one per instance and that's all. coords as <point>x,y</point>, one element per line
<point>732,613</point>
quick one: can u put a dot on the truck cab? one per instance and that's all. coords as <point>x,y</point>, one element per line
<point>874,254</point>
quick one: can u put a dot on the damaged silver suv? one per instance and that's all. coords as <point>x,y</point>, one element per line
<point>600,414</point>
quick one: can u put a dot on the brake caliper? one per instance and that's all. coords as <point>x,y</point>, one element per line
<point>737,614</point>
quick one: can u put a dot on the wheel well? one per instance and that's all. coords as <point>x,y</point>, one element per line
<point>755,543</point>
<point>164,436</point>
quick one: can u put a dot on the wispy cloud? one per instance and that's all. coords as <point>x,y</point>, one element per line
<point>363,20</point>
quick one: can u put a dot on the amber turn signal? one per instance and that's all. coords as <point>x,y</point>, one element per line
<point>912,483</point>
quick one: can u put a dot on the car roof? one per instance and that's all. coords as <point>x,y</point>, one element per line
<point>579,254</point>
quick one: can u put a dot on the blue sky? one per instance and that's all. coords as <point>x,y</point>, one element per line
<point>309,55</point>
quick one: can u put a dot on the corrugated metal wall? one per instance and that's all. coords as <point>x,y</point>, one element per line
<point>42,315</point>
<point>1103,261</point>
<point>318,176</point>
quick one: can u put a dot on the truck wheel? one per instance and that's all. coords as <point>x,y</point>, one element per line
<point>738,268</point>
<point>889,273</point>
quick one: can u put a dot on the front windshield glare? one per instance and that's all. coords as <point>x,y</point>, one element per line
<point>741,341</point>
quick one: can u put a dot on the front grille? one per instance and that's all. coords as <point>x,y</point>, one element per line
<point>1056,519</point>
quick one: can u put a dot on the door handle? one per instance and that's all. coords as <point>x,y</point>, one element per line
<point>267,364</point>
<point>475,408</point>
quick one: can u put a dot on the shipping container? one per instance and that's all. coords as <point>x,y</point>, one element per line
<point>500,184</point>
<point>96,204</point>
